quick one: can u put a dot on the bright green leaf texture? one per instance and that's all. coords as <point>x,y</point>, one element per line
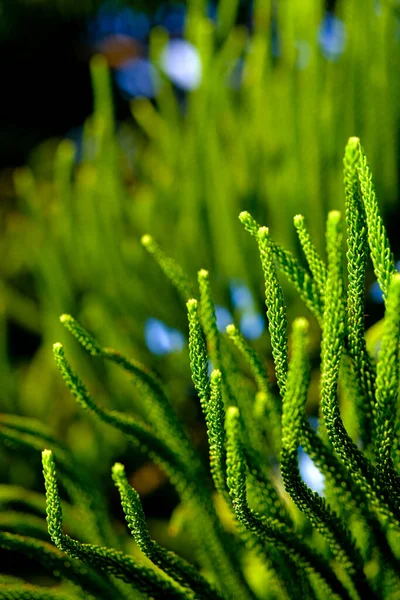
<point>258,531</point>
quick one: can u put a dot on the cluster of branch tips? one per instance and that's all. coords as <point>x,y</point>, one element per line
<point>342,544</point>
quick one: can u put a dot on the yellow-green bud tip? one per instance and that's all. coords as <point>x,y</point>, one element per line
<point>203,274</point>
<point>232,412</point>
<point>244,215</point>
<point>66,318</point>
<point>298,220</point>
<point>352,150</point>
<point>46,454</point>
<point>215,376</point>
<point>57,347</point>
<point>118,469</point>
<point>301,324</point>
<point>396,279</point>
<point>146,240</point>
<point>334,216</point>
<point>263,232</point>
<point>192,305</point>
<point>231,329</point>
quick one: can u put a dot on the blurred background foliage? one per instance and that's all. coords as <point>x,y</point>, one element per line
<point>200,110</point>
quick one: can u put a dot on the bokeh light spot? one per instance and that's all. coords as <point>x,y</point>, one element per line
<point>181,62</point>
<point>137,78</point>
<point>332,37</point>
<point>161,339</point>
<point>252,325</point>
<point>310,474</point>
<point>240,295</point>
<point>223,316</point>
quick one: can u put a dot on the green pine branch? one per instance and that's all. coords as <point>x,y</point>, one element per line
<point>276,313</point>
<point>387,389</point>
<point>315,262</point>
<point>357,254</point>
<point>27,591</point>
<point>138,431</point>
<point>359,514</point>
<point>320,514</point>
<point>268,530</point>
<point>362,471</point>
<point>174,566</point>
<point>381,253</point>
<point>291,267</point>
<point>215,420</point>
<point>212,411</point>
<point>81,575</point>
<point>29,435</point>
<point>170,267</point>
<point>212,335</point>
<point>158,410</point>
<point>267,407</point>
<point>188,481</point>
<point>111,561</point>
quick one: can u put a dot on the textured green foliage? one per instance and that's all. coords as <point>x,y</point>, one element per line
<point>50,558</point>
<point>263,132</point>
<point>215,417</point>
<point>209,319</point>
<point>29,435</point>
<point>111,561</point>
<point>332,346</point>
<point>319,513</point>
<point>357,254</point>
<point>171,269</point>
<point>340,544</point>
<point>291,267</point>
<point>180,464</point>
<point>153,398</point>
<point>184,573</point>
<point>387,388</point>
<point>30,592</point>
<point>72,237</point>
<point>267,408</point>
<point>315,262</point>
<point>381,254</point>
<point>276,313</point>
<point>76,228</point>
<point>266,530</point>
<point>198,355</point>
